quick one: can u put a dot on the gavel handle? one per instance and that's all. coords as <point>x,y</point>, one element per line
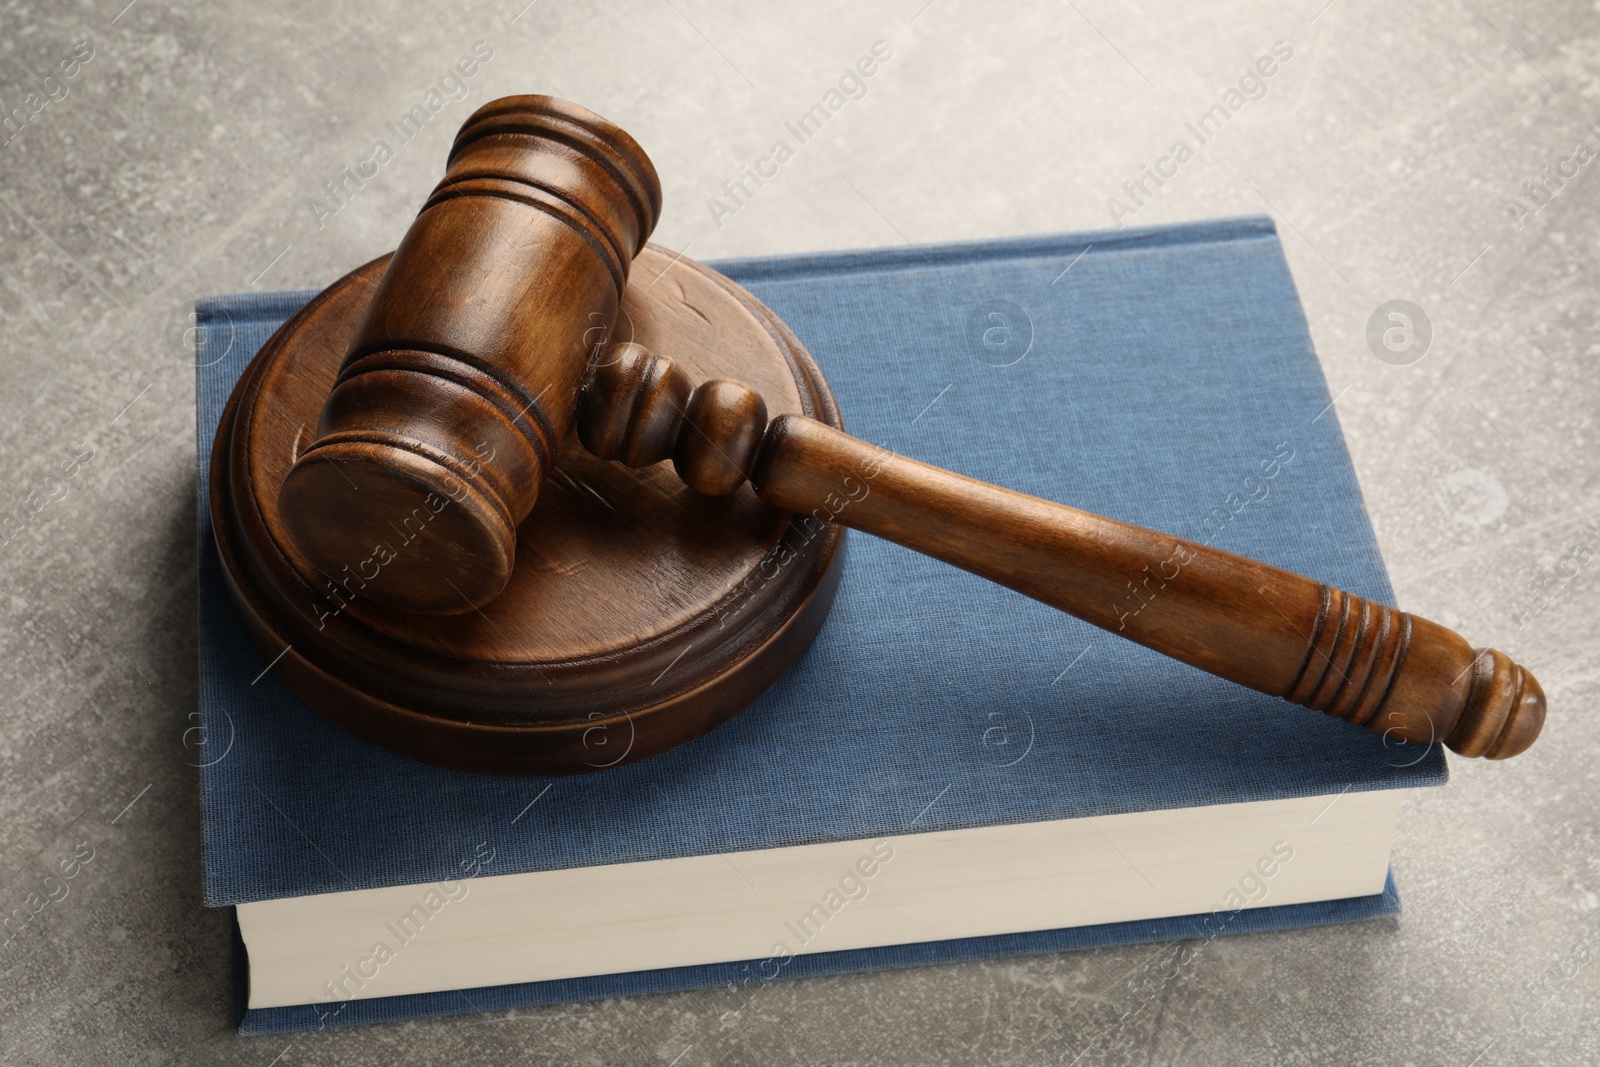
<point>1276,632</point>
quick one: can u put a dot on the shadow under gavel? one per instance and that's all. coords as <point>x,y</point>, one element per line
<point>483,331</point>
<point>1242,620</point>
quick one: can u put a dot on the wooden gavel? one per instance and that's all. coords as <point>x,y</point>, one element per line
<point>485,345</point>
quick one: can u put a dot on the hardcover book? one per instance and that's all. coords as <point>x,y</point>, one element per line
<point>1024,783</point>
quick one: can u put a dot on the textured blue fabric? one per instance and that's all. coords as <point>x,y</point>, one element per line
<point>1145,374</point>
<point>741,983</point>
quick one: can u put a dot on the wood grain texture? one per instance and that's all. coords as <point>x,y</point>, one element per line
<point>638,614</point>
<point>459,386</point>
<point>1280,633</point>
<point>490,335</point>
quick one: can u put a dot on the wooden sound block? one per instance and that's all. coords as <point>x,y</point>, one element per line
<point>639,614</point>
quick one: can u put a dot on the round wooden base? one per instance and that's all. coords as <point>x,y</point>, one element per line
<point>639,616</point>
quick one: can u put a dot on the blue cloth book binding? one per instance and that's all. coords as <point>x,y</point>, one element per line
<point>1143,374</point>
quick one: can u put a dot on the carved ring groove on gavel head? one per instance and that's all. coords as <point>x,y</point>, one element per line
<point>470,370</point>
<point>461,383</point>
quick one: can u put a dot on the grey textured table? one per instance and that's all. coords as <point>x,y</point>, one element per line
<point>197,149</point>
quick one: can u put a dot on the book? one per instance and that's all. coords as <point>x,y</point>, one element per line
<point>1026,783</point>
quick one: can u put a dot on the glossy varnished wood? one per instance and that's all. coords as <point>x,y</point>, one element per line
<point>458,388</point>
<point>454,402</point>
<point>1405,677</point>
<point>638,614</point>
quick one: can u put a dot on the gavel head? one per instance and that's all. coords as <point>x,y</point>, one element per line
<point>462,380</point>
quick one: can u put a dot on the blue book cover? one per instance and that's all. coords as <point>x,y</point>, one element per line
<point>1162,376</point>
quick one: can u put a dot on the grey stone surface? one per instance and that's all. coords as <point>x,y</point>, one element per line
<point>187,155</point>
